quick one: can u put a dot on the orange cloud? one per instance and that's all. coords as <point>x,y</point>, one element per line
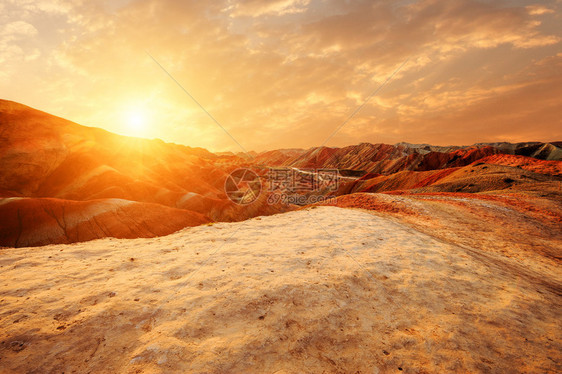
<point>286,73</point>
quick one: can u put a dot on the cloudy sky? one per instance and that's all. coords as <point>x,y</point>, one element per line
<point>287,73</point>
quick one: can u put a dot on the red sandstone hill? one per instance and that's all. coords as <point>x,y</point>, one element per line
<point>493,173</point>
<point>40,221</point>
<point>61,182</point>
<point>424,168</point>
<point>43,156</point>
<point>389,159</point>
<point>527,163</point>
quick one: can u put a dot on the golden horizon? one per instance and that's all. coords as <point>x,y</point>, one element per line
<point>287,74</point>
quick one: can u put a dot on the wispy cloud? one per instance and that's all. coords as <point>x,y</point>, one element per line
<point>285,73</point>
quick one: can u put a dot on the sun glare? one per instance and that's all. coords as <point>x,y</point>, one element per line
<point>136,122</point>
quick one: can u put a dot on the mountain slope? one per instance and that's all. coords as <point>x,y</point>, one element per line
<point>55,162</point>
<point>504,173</point>
<point>35,146</point>
<point>28,222</point>
<point>388,159</point>
<point>51,161</point>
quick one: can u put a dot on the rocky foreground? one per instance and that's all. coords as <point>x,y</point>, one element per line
<point>421,285</point>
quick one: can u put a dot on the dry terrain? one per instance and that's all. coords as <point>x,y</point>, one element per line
<point>324,289</point>
<point>126,255</point>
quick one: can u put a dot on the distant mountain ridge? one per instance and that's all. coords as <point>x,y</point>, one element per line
<point>61,182</point>
<point>389,159</point>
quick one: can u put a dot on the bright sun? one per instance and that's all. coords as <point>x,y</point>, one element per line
<point>136,120</point>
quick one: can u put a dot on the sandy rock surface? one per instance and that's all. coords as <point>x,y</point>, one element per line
<point>320,290</point>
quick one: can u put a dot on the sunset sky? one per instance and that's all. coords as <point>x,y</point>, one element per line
<point>284,74</point>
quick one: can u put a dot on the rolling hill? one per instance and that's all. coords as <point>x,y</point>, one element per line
<point>47,161</point>
<point>61,182</point>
